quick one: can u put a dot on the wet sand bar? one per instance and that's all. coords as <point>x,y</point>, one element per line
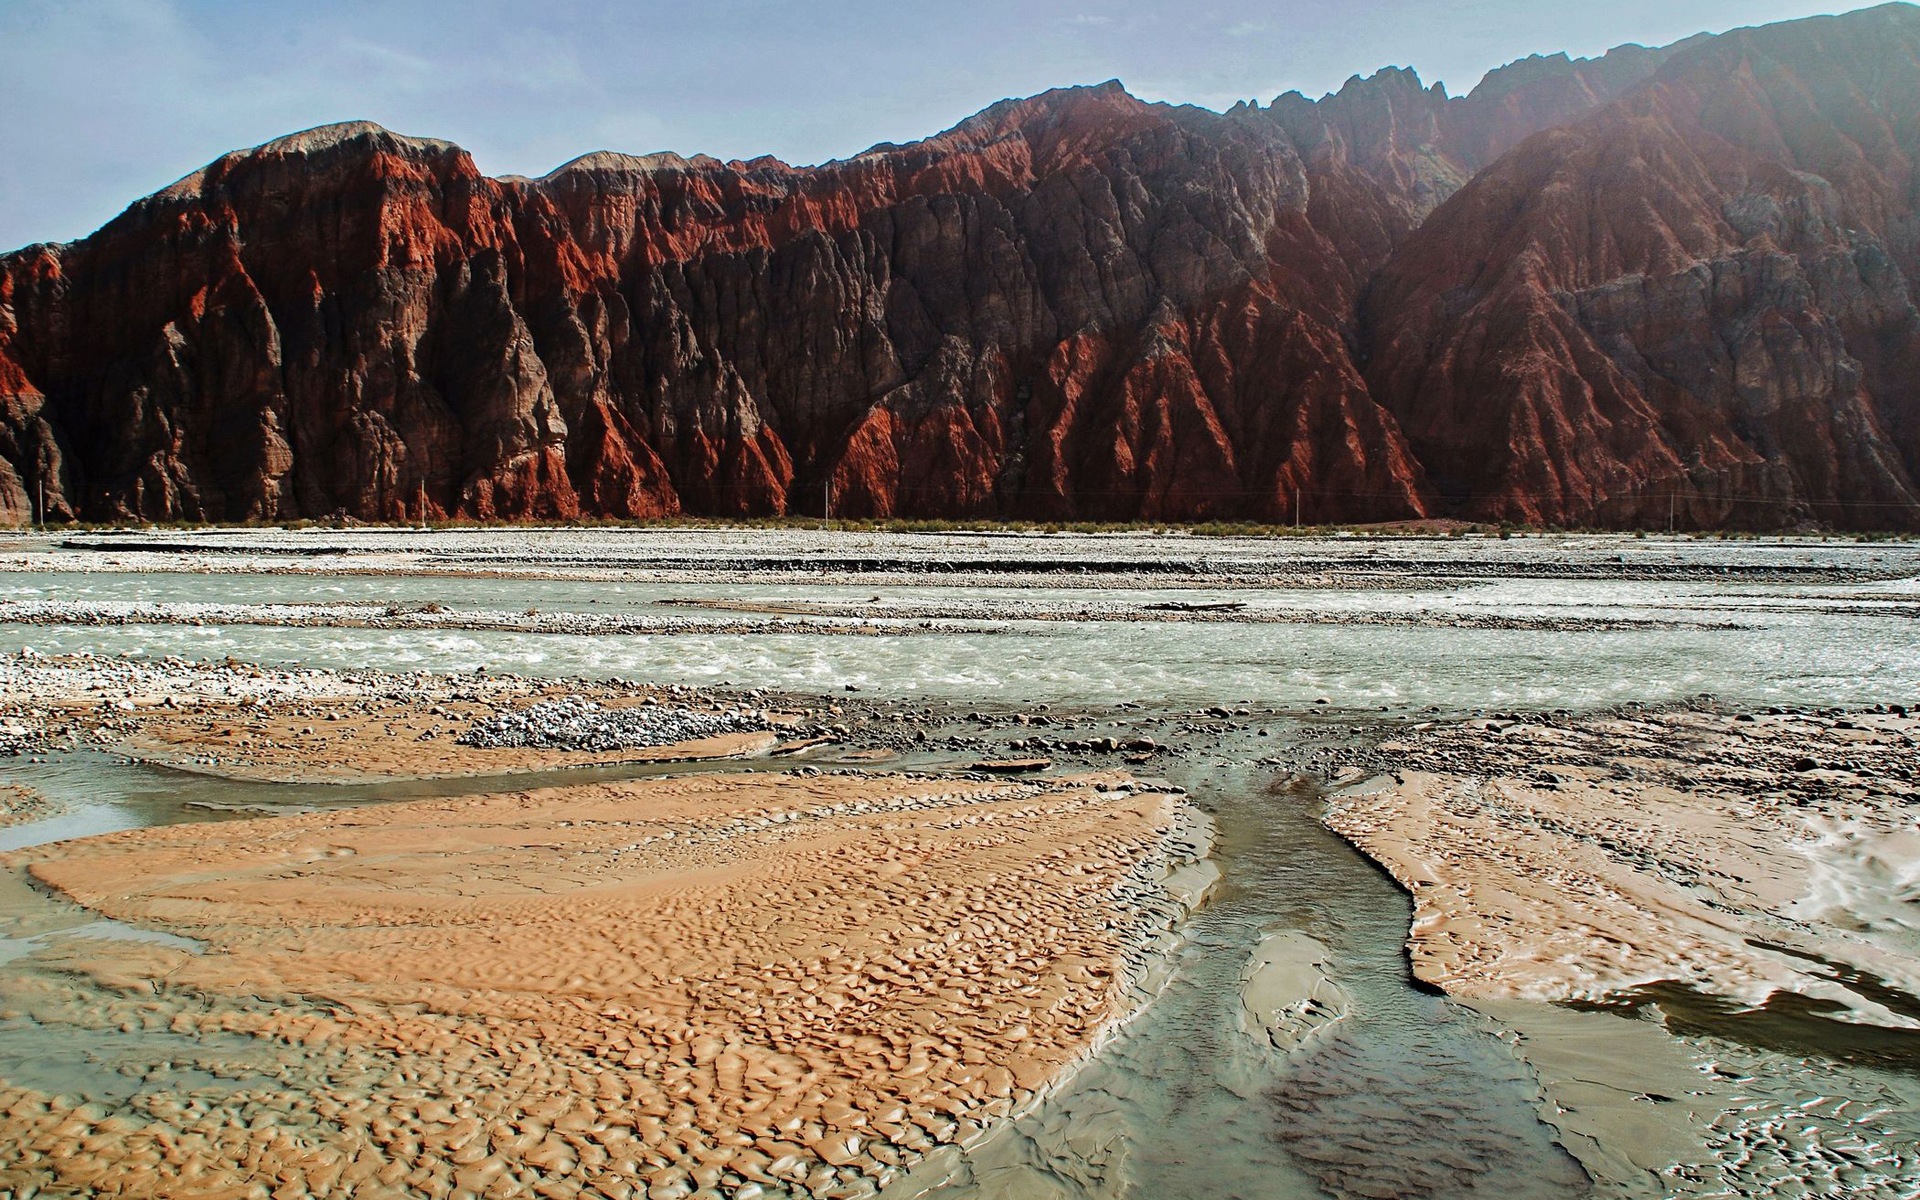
<point>720,985</point>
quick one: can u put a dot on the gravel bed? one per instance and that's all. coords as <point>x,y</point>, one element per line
<point>355,615</point>
<point>585,725</point>
<point>1155,559</point>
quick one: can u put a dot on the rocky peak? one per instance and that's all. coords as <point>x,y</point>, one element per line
<point>1057,125</point>
<point>661,162</point>
<point>324,138</point>
<point>1586,292</point>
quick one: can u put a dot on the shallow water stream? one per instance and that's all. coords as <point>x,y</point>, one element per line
<point>1188,1102</point>
<point>1764,643</point>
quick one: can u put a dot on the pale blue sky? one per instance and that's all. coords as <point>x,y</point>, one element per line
<point>102,101</point>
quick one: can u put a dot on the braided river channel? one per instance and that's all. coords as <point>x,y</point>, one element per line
<point>1412,1095</point>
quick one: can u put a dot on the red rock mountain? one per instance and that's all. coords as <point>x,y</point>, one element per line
<point>1663,283</point>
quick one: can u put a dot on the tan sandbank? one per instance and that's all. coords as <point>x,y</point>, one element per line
<point>1573,859</point>
<point>1558,859</point>
<point>716,985</point>
<point>308,742</point>
<point>1287,997</point>
<point>302,725</point>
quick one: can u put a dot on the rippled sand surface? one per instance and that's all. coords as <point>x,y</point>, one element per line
<point>797,985</point>
<point>1745,879</point>
<point>1742,854</point>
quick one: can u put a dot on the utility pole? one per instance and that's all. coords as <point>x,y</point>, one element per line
<point>826,499</point>
<point>1670,497</point>
<point>1296,508</point>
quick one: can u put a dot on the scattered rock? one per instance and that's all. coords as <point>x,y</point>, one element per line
<point>585,725</point>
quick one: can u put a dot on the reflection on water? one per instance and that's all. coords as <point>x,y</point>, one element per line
<point>1788,1023</point>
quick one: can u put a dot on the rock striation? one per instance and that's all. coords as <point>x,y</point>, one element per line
<point>1693,301</point>
<point>1664,284</point>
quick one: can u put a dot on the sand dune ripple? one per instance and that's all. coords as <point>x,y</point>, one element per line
<point>712,986</point>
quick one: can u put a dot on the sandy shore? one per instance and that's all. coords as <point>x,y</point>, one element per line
<point>1744,855</point>
<point>730,985</point>
<point>241,721</point>
<point>1759,868</point>
<point>384,739</point>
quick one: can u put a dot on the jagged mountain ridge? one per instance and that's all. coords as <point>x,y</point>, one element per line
<point>1663,284</point>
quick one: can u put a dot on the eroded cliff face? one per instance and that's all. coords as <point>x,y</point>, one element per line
<point>1077,305</point>
<point>1390,303</point>
<point>1694,300</point>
